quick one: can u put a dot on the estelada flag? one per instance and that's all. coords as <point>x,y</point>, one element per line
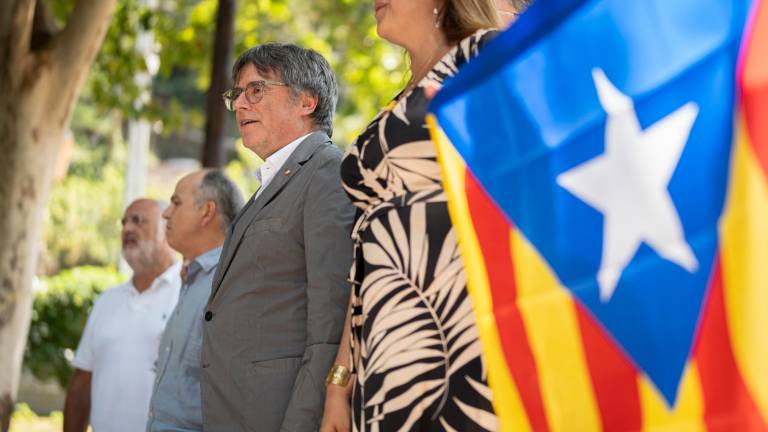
<point>607,169</point>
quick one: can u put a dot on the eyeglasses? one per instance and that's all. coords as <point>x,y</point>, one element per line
<point>134,218</point>
<point>254,92</point>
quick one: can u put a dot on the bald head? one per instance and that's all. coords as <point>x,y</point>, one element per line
<point>202,206</point>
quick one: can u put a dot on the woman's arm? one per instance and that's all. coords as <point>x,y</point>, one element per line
<point>337,416</point>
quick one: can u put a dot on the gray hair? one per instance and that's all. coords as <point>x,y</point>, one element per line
<point>217,187</point>
<point>304,70</point>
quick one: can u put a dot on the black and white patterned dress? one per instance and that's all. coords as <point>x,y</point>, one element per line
<point>415,346</point>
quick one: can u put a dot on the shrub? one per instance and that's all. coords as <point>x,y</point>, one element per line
<point>81,225</point>
<point>61,309</point>
<point>25,420</point>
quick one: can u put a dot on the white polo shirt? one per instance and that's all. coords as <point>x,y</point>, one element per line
<point>119,347</point>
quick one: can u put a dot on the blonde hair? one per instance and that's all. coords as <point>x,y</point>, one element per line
<point>461,18</point>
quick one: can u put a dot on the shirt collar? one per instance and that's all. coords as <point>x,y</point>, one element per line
<point>170,274</point>
<point>278,158</point>
<point>208,260</point>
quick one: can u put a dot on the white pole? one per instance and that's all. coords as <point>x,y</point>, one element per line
<point>139,130</point>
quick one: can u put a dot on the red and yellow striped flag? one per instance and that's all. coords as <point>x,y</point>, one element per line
<point>596,312</point>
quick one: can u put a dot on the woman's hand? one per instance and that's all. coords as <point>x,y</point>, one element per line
<point>337,416</point>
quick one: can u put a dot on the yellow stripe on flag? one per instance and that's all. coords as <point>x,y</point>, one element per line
<point>687,415</point>
<point>744,233</point>
<point>553,329</point>
<point>506,398</point>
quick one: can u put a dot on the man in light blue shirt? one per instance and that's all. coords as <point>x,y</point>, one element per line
<point>203,206</point>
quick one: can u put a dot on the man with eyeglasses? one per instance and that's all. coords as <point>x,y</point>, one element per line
<point>115,360</point>
<point>276,312</point>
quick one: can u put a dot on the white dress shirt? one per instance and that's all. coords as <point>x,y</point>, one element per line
<point>274,162</point>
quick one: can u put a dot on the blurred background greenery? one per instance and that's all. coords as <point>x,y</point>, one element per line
<point>81,242</point>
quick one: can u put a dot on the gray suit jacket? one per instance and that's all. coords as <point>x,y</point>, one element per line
<point>273,322</point>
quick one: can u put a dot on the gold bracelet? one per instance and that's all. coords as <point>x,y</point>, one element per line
<point>338,375</point>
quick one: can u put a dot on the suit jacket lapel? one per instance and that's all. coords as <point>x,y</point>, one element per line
<point>292,165</point>
<point>234,235</point>
<point>289,169</point>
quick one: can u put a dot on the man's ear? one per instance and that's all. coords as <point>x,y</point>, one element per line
<point>308,103</point>
<point>209,213</point>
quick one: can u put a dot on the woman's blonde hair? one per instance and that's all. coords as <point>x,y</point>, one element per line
<point>460,18</point>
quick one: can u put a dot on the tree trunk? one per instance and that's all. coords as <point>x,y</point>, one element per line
<point>38,90</point>
<point>30,150</point>
<point>213,147</point>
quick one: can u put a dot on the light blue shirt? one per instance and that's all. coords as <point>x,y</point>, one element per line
<point>175,404</point>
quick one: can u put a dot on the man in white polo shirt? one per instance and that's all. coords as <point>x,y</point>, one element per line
<point>115,361</point>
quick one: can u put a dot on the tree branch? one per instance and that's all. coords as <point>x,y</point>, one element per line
<point>74,48</point>
<point>43,26</point>
<point>15,30</point>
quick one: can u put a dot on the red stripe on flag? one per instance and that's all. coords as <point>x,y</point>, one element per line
<point>614,378</point>
<point>492,231</point>
<point>728,406</point>
<point>754,82</point>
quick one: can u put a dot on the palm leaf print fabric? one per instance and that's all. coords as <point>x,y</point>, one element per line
<point>415,347</point>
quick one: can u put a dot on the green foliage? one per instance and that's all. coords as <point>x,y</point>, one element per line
<point>22,411</point>
<point>83,221</point>
<point>370,70</point>
<point>25,420</point>
<point>59,315</point>
<point>81,224</point>
<point>111,82</point>
<point>83,209</point>
<point>241,169</point>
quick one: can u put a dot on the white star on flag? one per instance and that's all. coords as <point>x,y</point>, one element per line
<point>628,185</point>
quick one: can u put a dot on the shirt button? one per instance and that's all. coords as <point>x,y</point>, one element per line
<point>208,316</point>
